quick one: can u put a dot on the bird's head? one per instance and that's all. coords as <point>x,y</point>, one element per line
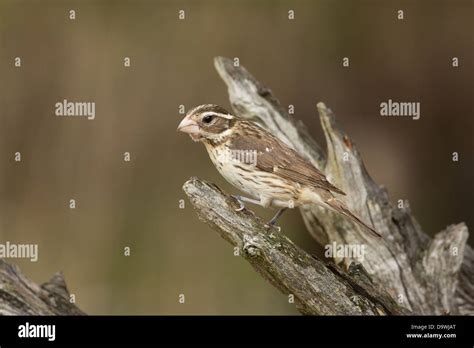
<point>207,122</point>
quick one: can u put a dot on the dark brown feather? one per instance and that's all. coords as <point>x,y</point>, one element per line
<point>342,209</point>
<point>273,156</point>
<point>207,108</point>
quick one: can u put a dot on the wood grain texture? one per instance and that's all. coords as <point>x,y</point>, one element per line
<point>317,288</point>
<point>21,296</point>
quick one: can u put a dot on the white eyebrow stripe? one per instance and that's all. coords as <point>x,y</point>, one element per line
<point>212,113</point>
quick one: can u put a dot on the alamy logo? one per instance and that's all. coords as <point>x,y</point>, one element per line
<point>37,331</point>
<point>392,108</point>
<point>350,251</point>
<point>67,108</point>
<point>239,156</point>
<point>23,251</point>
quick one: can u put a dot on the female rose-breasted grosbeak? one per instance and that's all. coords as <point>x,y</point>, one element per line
<point>258,163</point>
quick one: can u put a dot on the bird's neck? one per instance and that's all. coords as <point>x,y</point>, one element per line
<point>218,139</point>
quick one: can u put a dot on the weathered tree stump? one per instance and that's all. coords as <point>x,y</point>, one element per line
<point>21,296</point>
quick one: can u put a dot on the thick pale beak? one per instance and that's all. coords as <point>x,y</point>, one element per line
<point>189,126</point>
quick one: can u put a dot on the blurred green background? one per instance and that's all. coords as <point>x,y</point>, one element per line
<point>135,204</point>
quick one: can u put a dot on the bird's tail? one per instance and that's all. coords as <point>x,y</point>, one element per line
<point>339,207</point>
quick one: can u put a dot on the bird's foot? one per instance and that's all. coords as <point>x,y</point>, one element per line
<point>274,219</point>
<point>269,225</point>
<point>241,203</point>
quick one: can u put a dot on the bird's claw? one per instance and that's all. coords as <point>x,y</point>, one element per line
<point>241,204</point>
<point>270,225</point>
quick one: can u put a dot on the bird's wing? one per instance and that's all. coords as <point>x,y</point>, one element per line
<point>273,156</point>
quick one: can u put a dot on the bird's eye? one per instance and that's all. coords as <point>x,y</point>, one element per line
<point>207,119</point>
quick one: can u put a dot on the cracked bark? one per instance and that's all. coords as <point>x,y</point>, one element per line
<point>423,274</point>
<point>316,287</point>
<point>21,296</point>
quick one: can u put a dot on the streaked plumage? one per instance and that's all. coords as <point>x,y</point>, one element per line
<point>258,163</point>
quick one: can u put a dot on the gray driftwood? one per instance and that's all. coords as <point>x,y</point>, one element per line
<point>317,288</point>
<point>21,296</point>
<point>422,274</point>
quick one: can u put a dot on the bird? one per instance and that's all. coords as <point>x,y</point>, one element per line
<point>258,163</point>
